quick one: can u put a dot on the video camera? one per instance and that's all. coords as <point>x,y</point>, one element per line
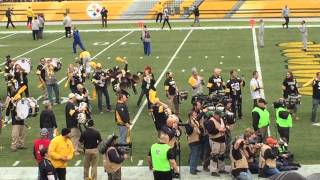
<point>290,103</point>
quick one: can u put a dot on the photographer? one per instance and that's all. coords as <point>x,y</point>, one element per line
<point>285,159</point>
<point>172,92</point>
<point>161,160</point>
<point>71,114</point>
<point>239,162</point>
<point>193,137</point>
<point>216,129</point>
<point>90,139</point>
<point>290,87</point>
<point>283,119</point>
<point>252,148</point>
<point>229,121</point>
<point>113,159</point>
<point>267,159</point>
<point>233,90</point>
<point>171,128</point>
<point>215,82</point>
<point>261,119</point>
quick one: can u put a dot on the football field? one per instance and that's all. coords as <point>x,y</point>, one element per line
<point>224,45</point>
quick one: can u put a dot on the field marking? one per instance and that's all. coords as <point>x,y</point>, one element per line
<point>4,37</point>
<point>43,45</point>
<point>77,163</point>
<point>16,163</point>
<point>160,77</point>
<point>173,29</point>
<point>102,51</point>
<point>258,65</point>
<point>140,163</point>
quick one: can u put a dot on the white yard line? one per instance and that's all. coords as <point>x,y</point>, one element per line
<point>158,29</point>
<point>16,163</point>
<point>99,53</point>
<point>8,36</point>
<point>43,45</point>
<point>160,77</point>
<point>77,163</point>
<point>258,65</point>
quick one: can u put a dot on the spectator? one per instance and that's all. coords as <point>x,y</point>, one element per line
<point>46,169</point>
<point>60,152</point>
<point>146,39</point>
<point>30,15</point>
<point>39,144</point>
<point>67,22</point>
<point>41,25</point>
<point>35,28</point>
<point>48,120</point>
<point>90,138</point>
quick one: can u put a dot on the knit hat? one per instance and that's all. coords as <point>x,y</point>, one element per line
<point>65,131</point>
<point>44,132</point>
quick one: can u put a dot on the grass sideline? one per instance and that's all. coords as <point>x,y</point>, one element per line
<point>201,43</point>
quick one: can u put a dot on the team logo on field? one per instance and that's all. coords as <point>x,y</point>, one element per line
<point>93,10</point>
<point>303,64</point>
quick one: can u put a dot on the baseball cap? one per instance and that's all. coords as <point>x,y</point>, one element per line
<point>44,132</point>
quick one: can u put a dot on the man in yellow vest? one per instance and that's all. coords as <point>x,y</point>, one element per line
<point>159,10</point>
<point>267,158</point>
<point>283,119</point>
<point>239,160</point>
<point>161,159</point>
<point>113,159</point>
<point>261,118</point>
<point>30,15</point>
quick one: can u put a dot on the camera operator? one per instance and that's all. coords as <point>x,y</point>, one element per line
<point>215,82</point>
<point>283,119</point>
<point>233,90</point>
<point>204,138</point>
<point>90,139</point>
<point>216,129</point>
<point>261,119</point>
<point>267,159</point>
<point>113,159</point>
<point>196,83</point>
<point>285,159</point>
<point>194,134</point>
<point>172,92</point>
<point>252,148</point>
<point>161,160</point>
<point>239,162</point>
<point>290,87</point>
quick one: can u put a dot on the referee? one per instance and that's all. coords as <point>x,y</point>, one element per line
<point>161,159</point>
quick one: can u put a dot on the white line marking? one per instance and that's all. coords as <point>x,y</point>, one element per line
<point>140,162</point>
<point>7,36</point>
<point>35,49</point>
<point>157,29</point>
<point>16,163</point>
<point>258,65</point>
<point>160,77</point>
<point>108,47</point>
<point>78,163</point>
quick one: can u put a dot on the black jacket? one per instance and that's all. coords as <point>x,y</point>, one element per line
<point>48,119</point>
<point>45,169</point>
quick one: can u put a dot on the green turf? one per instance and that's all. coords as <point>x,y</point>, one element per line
<point>201,43</point>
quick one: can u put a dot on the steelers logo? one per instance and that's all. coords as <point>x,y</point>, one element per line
<point>93,10</point>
